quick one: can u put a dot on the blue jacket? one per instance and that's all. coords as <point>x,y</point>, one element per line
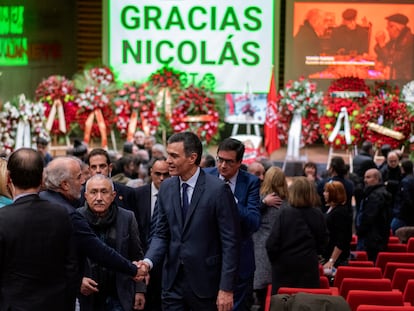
<point>248,204</point>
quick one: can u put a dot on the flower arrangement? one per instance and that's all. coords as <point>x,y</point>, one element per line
<point>134,103</point>
<point>386,120</point>
<point>196,111</point>
<point>94,98</point>
<point>100,76</point>
<point>166,77</point>
<point>346,93</point>
<point>407,95</point>
<point>300,96</point>
<point>166,85</point>
<point>57,95</point>
<point>21,122</point>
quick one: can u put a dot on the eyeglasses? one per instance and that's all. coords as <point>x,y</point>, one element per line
<point>163,174</point>
<point>229,162</point>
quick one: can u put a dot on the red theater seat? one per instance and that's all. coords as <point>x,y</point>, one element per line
<point>384,308</point>
<point>333,291</point>
<point>356,272</point>
<point>408,294</point>
<point>323,281</point>
<point>384,257</point>
<point>367,297</point>
<point>396,247</point>
<point>364,284</point>
<point>360,255</point>
<point>393,239</point>
<point>360,263</point>
<point>410,245</point>
<point>401,276</point>
<point>390,268</point>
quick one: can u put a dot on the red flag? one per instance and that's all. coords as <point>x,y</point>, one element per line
<point>271,136</point>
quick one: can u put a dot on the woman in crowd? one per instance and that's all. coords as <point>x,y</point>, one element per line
<point>310,171</point>
<point>339,223</point>
<point>5,193</point>
<point>274,194</point>
<point>299,234</point>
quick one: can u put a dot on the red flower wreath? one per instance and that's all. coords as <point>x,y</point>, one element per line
<point>95,87</point>
<point>389,112</point>
<point>89,101</point>
<point>166,77</point>
<point>137,97</point>
<point>195,102</point>
<point>58,88</point>
<point>350,93</point>
<point>301,95</point>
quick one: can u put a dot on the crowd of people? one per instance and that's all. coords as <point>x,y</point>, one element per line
<point>168,227</point>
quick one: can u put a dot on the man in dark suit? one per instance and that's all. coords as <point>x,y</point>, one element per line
<point>102,288</point>
<point>197,233</point>
<point>36,252</point>
<point>63,181</point>
<point>146,197</point>
<point>245,188</point>
<point>362,162</point>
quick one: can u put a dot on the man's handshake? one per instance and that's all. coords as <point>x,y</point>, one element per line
<point>142,270</point>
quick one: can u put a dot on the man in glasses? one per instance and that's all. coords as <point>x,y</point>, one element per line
<point>245,188</point>
<point>146,197</point>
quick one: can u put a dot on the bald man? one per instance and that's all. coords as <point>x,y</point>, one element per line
<point>374,215</point>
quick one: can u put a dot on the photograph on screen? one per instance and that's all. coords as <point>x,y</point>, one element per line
<point>369,40</point>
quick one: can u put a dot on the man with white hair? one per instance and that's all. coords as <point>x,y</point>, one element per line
<point>63,181</point>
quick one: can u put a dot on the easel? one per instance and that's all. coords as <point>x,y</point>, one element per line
<point>56,149</point>
<point>348,153</point>
<point>293,153</point>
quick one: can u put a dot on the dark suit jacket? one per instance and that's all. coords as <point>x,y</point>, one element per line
<point>143,212</point>
<point>206,246</point>
<point>129,246</point>
<point>88,244</point>
<point>248,204</point>
<point>36,260</point>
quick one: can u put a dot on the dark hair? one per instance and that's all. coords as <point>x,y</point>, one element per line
<point>98,151</point>
<point>192,144</point>
<point>231,144</point>
<point>119,165</point>
<point>42,141</point>
<point>209,161</point>
<point>312,165</point>
<point>407,166</point>
<point>79,149</point>
<point>128,147</point>
<point>366,146</point>
<point>338,166</point>
<point>152,162</point>
<point>26,168</point>
<point>385,149</point>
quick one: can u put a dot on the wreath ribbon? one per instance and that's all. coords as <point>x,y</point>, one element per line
<point>342,117</point>
<point>101,124</point>
<point>164,102</point>
<point>23,138</point>
<point>132,126</point>
<point>294,135</point>
<point>57,107</point>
